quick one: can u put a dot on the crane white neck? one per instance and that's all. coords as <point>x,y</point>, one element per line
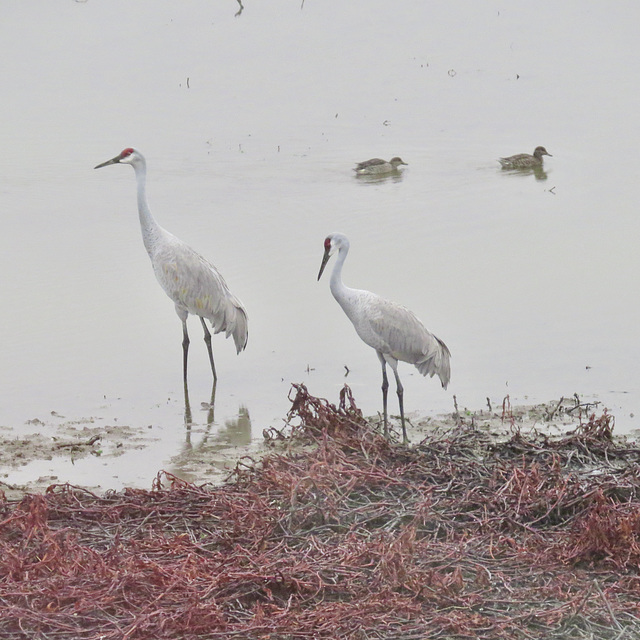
<point>338,289</point>
<point>151,230</point>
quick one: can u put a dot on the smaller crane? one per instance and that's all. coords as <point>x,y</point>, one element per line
<point>391,329</point>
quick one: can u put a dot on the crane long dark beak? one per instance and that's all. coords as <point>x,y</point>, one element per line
<point>325,259</point>
<point>112,161</point>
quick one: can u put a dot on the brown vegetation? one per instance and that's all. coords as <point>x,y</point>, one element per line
<point>462,536</point>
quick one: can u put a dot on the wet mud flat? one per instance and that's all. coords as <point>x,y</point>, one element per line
<point>59,440</point>
<point>473,532</point>
<point>49,446</point>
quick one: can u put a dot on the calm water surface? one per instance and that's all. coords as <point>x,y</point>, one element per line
<point>251,124</point>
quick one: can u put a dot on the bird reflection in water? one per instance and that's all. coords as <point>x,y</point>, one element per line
<point>209,406</point>
<point>538,172</point>
<point>364,178</point>
<point>217,450</point>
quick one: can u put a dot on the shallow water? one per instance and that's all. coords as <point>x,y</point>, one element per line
<point>251,125</point>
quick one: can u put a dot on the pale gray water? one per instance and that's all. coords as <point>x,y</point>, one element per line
<point>251,125</point>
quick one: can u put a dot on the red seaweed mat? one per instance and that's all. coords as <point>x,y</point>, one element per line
<point>348,536</point>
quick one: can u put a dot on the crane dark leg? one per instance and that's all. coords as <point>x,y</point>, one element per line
<point>207,339</point>
<point>188,421</point>
<point>212,404</point>
<point>185,353</point>
<point>385,387</point>
<point>400,392</point>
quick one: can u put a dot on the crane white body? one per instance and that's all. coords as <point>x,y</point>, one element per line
<point>391,329</point>
<point>193,283</point>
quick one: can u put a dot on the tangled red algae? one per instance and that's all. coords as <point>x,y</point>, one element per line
<point>351,537</point>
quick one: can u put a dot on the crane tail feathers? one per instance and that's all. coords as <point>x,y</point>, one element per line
<point>240,331</point>
<point>437,362</point>
<point>235,324</point>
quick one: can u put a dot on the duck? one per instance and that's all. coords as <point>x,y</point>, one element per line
<point>525,160</point>
<point>377,166</point>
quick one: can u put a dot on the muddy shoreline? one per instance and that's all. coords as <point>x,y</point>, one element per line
<point>488,527</point>
<point>61,441</point>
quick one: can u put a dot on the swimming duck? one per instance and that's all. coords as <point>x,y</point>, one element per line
<point>524,160</point>
<point>377,166</point>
